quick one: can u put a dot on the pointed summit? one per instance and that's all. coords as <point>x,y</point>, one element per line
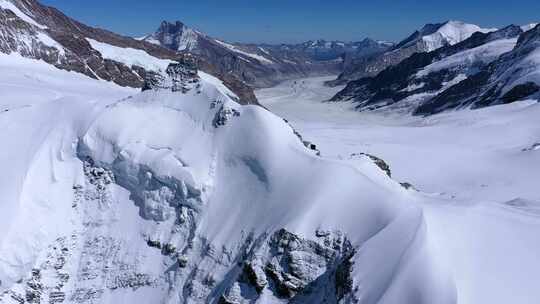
<point>175,36</point>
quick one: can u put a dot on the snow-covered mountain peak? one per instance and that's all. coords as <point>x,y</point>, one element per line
<point>529,26</point>
<point>450,33</point>
<point>436,35</point>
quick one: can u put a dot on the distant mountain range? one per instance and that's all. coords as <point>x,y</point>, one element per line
<point>441,66</point>
<point>263,65</point>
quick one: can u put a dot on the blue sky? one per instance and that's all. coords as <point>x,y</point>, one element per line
<point>277,21</point>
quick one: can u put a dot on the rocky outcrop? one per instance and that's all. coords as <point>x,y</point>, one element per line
<point>296,269</point>
<point>377,161</point>
<point>178,77</point>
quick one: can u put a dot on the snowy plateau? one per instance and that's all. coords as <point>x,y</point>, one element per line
<point>182,192</point>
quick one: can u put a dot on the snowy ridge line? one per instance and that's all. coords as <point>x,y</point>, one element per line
<point>233,48</point>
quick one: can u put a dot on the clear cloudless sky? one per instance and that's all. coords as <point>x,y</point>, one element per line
<point>287,21</point>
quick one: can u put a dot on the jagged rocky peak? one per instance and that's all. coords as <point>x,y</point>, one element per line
<point>171,27</point>
<point>175,36</point>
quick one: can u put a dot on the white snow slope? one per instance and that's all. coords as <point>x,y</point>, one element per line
<point>477,171</point>
<point>250,56</point>
<point>92,174</point>
<point>129,56</point>
<point>477,56</point>
<point>451,32</point>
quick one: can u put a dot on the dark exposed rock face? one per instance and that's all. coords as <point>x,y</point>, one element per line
<point>175,36</point>
<point>497,83</point>
<point>296,269</point>
<point>398,82</point>
<point>520,91</point>
<point>62,42</point>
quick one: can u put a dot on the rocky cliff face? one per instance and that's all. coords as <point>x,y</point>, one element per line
<point>40,32</point>
<point>429,38</point>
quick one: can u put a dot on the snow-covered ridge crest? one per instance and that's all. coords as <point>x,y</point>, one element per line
<point>235,49</point>
<point>450,33</point>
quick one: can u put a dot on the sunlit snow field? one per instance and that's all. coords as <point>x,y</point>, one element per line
<point>477,168</point>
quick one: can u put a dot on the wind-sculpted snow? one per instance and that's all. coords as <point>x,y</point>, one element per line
<point>148,199</point>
